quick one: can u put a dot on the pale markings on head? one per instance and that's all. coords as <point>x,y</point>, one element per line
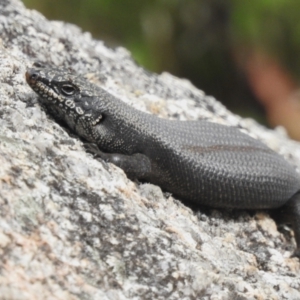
<point>79,110</point>
<point>70,103</point>
<point>51,75</point>
<point>60,98</point>
<point>97,120</point>
<point>42,74</point>
<point>46,91</point>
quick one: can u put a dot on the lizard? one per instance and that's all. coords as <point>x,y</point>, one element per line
<point>198,161</point>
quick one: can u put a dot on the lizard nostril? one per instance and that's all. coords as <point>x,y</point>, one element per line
<point>34,76</point>
<point>31,76</point>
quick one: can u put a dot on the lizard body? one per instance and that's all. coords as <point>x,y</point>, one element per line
<point>199,161</point>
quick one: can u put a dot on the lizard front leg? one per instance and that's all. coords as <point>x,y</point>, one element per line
<point>136,166</point>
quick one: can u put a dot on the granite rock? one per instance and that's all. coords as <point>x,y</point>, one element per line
<point>72,227</point>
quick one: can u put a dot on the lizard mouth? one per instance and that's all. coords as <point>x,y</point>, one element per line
<point>34,80</point>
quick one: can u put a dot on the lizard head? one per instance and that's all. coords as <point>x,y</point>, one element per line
<point>67,97</point>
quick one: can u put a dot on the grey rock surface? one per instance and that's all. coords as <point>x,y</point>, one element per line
<point>72,227</point>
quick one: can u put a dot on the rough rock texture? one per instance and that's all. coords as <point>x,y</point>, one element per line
<point>74,228</point>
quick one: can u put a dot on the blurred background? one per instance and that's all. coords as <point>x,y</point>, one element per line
<point>245,53</point>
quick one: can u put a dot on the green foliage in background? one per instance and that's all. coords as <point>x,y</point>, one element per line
<point>151,27</point>
<point>273,25</point>
<point>191,38</point>
<point>126,22</point>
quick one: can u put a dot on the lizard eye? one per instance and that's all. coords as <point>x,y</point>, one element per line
<point>68,89</point>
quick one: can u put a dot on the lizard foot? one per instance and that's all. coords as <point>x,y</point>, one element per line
<point>94,150</point>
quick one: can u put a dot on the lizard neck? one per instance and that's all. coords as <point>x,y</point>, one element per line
<point>124,129</point>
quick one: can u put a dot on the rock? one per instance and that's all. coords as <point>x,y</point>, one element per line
<point>72,227</point>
